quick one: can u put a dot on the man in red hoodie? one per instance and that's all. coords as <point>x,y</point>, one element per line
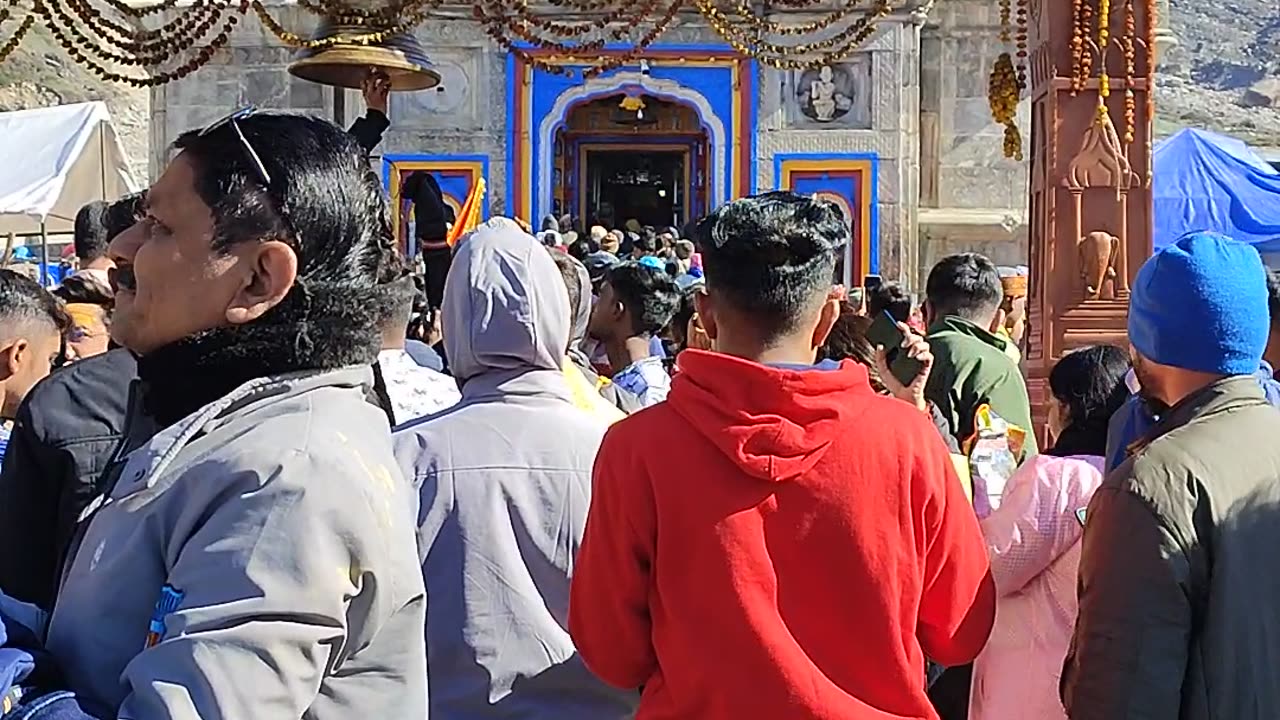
<point>802,543</point>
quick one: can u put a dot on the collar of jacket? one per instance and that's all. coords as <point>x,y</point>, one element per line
<point>145,464</point>
<point>318,326</point>
<point>1228,393</point>
<point>958,325</point>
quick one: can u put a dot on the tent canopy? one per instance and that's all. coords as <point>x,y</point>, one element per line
<point>1203,181</point>
<point>56,160</point>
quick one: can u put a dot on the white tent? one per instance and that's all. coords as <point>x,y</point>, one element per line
<point>55,160</point>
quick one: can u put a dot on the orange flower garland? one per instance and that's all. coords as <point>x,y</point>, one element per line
<point>1104,40</point>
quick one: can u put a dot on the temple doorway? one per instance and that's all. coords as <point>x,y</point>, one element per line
<point>647,185</point>
<point>631,157</point>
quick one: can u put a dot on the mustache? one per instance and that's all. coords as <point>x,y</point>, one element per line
<point>122,278</point>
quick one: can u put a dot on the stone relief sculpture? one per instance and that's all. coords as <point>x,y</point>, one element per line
<point>824,98</point>
<point>834,95</point>
<point>1097,255</point>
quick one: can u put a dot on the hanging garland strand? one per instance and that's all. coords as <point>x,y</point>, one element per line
<point>1129,44</point>
<point>742,11</point>
<point>53,10</point>
<point>105,35</point>
<point>148,42</point>
<point>410,16</point>
<point>823,52</point>
<point>202,56</point>
<point>1104,41</point>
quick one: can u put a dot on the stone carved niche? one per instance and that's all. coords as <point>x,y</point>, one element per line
<point>1102,164</point>
<point>832,96</point>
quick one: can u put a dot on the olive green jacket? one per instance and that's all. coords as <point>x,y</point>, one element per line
<point>971,368</point>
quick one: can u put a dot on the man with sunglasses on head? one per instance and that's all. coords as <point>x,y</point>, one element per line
<point>256,557</point>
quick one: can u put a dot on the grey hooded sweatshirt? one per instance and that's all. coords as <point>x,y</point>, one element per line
<point>254,560</point>
<point>505,485</point>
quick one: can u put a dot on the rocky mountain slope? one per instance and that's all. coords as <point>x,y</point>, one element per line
<point>1225,48</point>
<point>39,74</point>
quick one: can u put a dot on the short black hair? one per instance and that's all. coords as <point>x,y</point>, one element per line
<point>772,256</point>
<point>1273,295</point>
<point>684,313</point>
<point>90,235</point>
<point>123,213</point>
<point>23,301</point>
<point>966,285</point>
<point>85,289</point>
<point>650,295</point>
<point>891,298</point>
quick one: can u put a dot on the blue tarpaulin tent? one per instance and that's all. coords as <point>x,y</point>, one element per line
<point>1204,181</point>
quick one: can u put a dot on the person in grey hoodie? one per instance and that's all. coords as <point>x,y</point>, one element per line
<point>505,480</point>
<point>254,558</point>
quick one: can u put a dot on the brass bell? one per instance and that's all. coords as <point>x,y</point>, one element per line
<point>346,64</point>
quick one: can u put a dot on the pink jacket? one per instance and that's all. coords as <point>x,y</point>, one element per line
<point>1034,542</point>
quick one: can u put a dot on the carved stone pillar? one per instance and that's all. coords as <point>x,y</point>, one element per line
<point>1090,205</point>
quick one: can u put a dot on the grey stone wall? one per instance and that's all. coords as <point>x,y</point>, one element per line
<point>972,197</point>
<point>251,70</point>
<point>894,97</point>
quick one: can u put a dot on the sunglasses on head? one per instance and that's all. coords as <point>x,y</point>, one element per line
<point>233,120</point>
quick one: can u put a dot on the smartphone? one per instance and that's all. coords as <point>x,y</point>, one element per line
<point>884,332</point>
<point>871,282</point>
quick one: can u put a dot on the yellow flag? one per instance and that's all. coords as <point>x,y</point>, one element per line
<point>469,217</point>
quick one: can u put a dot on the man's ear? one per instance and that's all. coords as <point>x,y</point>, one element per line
<point>827,317</point>
<point>270,271</point>
<point>12,357</point>
<point>705,306</point>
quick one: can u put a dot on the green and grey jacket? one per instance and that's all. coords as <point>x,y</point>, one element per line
<point>1179,592</point>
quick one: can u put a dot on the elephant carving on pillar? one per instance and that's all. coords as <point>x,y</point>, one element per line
<point>1097,253</point>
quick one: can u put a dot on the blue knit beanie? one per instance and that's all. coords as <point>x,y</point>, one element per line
<point>1201,304</point>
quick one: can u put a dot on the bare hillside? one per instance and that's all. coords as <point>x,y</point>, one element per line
<point>1225,49</point>
<point>39,74</point>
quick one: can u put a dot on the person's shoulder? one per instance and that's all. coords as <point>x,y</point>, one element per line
<point>96,388</point>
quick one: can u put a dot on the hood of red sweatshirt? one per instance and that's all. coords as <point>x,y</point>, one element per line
<point>774,423</point>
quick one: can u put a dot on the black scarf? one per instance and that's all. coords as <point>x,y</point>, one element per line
<point>315,327</point>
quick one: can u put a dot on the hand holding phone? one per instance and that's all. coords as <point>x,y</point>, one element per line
<point>902,357</point>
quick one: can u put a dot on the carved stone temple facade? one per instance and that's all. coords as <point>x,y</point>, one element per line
<point>898,135</point>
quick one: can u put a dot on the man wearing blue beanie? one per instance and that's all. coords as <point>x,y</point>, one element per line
<point>1179,597</point>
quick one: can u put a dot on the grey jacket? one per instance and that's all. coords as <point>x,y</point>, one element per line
<point>505,484</point>
<point>1179,594</point>
<point>254,560</point>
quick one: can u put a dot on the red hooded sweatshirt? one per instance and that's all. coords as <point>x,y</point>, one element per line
<point>781,544</point>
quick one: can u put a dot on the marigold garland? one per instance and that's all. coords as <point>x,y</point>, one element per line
<point>1104,41</point>
<point>1006,83</point>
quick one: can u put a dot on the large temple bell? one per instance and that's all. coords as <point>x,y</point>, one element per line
<point>347,64</point>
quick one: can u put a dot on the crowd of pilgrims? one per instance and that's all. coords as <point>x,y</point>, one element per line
<point>282,472</point>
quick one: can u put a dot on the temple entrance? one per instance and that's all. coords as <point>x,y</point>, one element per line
<point>631,157</point>
<point>646,185</point>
